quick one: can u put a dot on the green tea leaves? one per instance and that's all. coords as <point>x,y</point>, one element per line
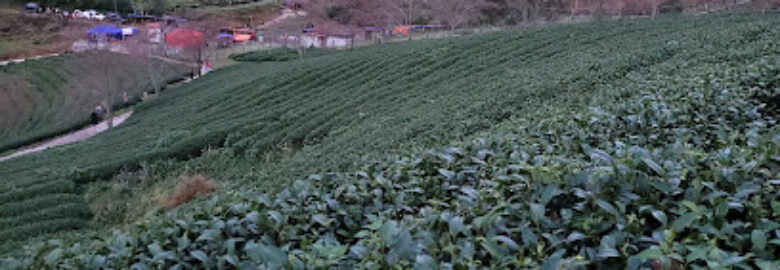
<point>266,254</point>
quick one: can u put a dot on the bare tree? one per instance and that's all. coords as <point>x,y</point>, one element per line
<point>575,8</point>
<point>405,8</point>
<point>528,9</point>
<point>654,8</point>
<point>363,12</point>
<point>118,75</point>
<point>149,6</point>
<point>139,6</point>
<point>287,33</point>
<point>374,13</point>
<point>108,83</point>
<point>765,5</point>
<point>155,67</point>
<point>455,13</point>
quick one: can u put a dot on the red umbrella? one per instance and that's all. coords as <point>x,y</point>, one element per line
<point>184,38</point>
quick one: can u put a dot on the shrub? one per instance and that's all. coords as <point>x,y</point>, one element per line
<point>279,55</point>
<point>701,90</point>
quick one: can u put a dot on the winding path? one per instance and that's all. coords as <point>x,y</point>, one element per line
<point>69,138</point>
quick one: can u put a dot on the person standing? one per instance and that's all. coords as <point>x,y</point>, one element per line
<point>97,114</point>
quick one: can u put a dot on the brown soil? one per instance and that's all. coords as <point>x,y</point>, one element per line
<point>210,21</point>
<point>25,35</point>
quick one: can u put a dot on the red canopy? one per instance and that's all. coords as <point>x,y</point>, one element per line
<point>184,38</point>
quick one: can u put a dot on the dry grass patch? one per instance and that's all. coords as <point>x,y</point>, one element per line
<point>189,188</point>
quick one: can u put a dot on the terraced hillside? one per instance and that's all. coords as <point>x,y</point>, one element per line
<point>46,97</point>
<point>606,118</point>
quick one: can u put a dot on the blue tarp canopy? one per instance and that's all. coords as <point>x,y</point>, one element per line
<point>108,30</point>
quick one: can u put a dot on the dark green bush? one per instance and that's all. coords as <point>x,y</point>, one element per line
<point>279,55</point>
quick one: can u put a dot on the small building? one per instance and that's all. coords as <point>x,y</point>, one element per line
<point>315,40</point>
<point>154,32</point>
<point>374,33</point>
<point>337,41</point>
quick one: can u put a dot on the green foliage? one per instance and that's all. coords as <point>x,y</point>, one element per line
<point>279,55</point>
<point>512,206</point>
<point>608,145</point>
<point>51,96</point>
<point>102,5</point>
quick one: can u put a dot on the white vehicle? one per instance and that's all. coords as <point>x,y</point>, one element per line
<point>99,16</point>
<point>88,14</point>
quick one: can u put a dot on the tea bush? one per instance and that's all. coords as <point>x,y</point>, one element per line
<point>280,55</point>
<point>671,121</point>
<point>568,192</point>
<point>51,96</point>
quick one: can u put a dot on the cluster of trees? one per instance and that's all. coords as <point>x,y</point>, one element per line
<point>455,13</point>
<point>452,13</point>
<point>122,6</point>
<point>105,5</point>
<point>394,12</point>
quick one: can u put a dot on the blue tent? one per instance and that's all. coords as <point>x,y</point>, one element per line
<point>108,30</point>
<point>31,6</point>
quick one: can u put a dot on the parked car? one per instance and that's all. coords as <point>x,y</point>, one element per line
<point>114,17</point>
<point>31,7</point>
<point>99,16</point>
<point>88,14</point>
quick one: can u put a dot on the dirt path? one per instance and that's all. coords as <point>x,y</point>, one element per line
<point>174,61</point>
<point>20,60</point>
<point>285,14</point>
<point>69,138</point>
<point>75,136</point>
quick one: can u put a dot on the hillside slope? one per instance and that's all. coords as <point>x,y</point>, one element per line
<point>46,97</point>
<point>333,110</point>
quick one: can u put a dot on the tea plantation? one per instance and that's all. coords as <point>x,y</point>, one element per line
<point>50,96</point>
<point>281,55</point>
<point>628,144</point>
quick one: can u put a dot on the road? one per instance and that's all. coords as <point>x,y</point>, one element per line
<point>69,138</point>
